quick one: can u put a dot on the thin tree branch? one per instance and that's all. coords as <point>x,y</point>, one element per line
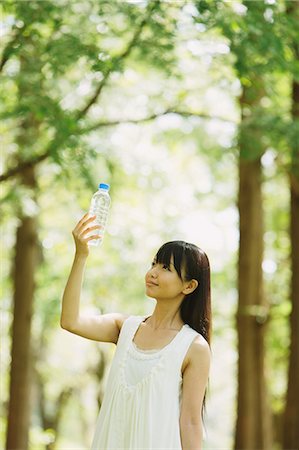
<point>117,59</point>
<point>38,159</point>
<point>24,165</point>
<point>203,116</point>
<point>112,123</point>
<point>9,46</point>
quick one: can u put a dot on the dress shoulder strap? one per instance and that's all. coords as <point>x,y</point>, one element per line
<point>128,330</point>
<point>182,345</point>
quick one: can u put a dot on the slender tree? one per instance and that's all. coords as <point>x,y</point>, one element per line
<point>24,268</point>
<point>251,30</point>
<point>291,414</point>
<point>253,426</point>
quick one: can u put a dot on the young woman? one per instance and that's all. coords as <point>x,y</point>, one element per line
<point>155,392</point>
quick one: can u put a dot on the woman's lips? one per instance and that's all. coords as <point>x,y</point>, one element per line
<point>149,283</point>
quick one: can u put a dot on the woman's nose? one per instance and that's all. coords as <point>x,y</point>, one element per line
<point>153,272</point>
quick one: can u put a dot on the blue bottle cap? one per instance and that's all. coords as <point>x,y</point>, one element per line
<point>104,186</point>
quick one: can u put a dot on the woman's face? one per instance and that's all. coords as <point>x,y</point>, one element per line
<point>163,281</point>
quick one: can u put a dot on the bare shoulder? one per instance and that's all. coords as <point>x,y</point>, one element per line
<point>120,318</point>
<point>199,352</point>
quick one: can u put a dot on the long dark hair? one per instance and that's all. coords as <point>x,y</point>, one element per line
<point>191,262</point>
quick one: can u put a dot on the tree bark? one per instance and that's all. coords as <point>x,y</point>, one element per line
<point>253,426</point>
<point>24,268</point>
<point>291,414</point>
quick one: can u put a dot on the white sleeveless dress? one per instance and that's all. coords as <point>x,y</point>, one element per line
<point>142,399</point>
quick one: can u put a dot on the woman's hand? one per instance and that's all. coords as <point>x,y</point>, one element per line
<point>79,234</point>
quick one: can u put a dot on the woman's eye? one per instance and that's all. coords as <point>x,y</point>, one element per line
<point>164,266</point>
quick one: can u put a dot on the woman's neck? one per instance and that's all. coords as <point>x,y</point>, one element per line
<point>167,320</point>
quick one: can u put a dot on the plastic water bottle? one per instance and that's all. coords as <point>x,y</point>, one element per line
<point>99,207</point>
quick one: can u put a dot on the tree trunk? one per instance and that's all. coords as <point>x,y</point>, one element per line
<point>253,426</point>
<point>24,269</point>
<point>291,414</point>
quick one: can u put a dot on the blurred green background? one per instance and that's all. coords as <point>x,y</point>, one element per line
<point>189,109</point>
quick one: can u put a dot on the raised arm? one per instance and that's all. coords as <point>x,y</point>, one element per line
<point>105,327</point>
<point>72,291</point>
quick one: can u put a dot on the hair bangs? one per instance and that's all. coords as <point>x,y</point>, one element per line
<point>168,250</point>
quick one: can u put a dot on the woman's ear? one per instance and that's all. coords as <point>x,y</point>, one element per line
<point>190,287</point>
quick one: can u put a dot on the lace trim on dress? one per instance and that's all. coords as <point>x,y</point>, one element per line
<point>153,350</point>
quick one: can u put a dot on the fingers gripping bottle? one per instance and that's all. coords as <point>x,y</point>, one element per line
<point>99,207</point>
